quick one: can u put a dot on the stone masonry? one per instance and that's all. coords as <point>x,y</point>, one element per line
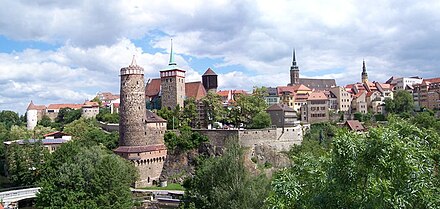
<point>140,132</point>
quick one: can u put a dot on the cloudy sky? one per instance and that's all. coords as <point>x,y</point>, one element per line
<point>67,51</point>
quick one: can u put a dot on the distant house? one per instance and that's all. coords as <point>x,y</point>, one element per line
<point>282,115</point>
<point>90,109</point>
<point>354,125</point>
<point>316,109</point>
<point>52,141</point>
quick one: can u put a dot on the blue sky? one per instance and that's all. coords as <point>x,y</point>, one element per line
<point>65,52</point>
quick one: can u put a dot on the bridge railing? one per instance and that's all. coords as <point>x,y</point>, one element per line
<point>16,194</point>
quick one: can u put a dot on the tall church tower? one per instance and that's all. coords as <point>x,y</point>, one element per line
<point>140,132</point>
<point>364,74</point>
<point>294,71</point>
<point>172,84</point>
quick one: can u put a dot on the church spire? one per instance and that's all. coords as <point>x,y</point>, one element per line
<point>364,74</point>
<point>172,55</point>
<point>294,58</point>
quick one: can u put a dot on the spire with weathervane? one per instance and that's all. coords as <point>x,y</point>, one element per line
<point>364,75</point>
<point>294,71</point>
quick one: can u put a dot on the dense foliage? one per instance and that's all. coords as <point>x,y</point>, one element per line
<point>402,102</point>
<point>224,183</point>
<point>249,110</point>
<point>105,115</point>
<point>186,139</point>
<point>395,166</point>
<point>86,177</point>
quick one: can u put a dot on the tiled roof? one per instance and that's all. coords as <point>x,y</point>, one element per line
<point>282,89</point>
<point>195,90</point>
<point>433,80</point>
<point>154,118</point>
<point>139,149</point>
<point>60,106</point>
<point>239,92</point>
<point>354,125</point>
<point>223,93</point>
<point>318,84</point>
<point>278,107</point>
<point>44,141</point>
<point>209,71</point>
<point>359,94</point>
<point>32,106</point>
<point>153,87</point>
<point>90,104</point>
<point>301,87</point>
<point>108,96</point>
<point>317,95</point>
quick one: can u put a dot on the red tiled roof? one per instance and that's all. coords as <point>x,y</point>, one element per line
<point>354,125</point>
<point>109,96</point>
<point>153,87</point>
<point>60,106</point>
<point>139,149</point>
<point>36,107</point>
<point>281,89</point>
<point>195,90</point>
<point>433,80</point>
<point>277,107</point>
<point>301,87</point>
<point>116,105</point>
<point>209,71</point>
<point>223,93</point>
<point>239,92</point>
<point>358,94</point>
<point>90,104</point>
<point>317,95</point>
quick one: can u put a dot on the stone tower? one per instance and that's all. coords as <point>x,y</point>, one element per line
<point>172,84</point>
<point>294,71</point>
<point>364,74</point>
<point>209,80</point>
<point>140,132</point>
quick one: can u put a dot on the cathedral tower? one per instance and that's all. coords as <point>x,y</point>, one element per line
<point>140,132</point>
<point>364,75</point>
<point>172,84</point>
<point>294,71</point>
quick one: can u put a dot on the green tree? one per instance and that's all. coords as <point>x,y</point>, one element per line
<point>9,118</point>
<point>88,131</point>
<point>213,108</point>
<point>261,120</point>
<point>19,132</point>
<point>45,121</point>
<point>190,114</point>
<point>395,166</point>
<point>401,103</point>
<point>223,182</point>
<point>68,115</point>
<point>91,178</point>
<point>104,115</point>
<point>25,162</point>
<point>247,107</point>
<point>185,140</point>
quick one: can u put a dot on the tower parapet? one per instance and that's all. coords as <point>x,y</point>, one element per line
<point>140,132</point>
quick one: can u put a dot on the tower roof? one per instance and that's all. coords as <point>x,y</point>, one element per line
<point>133,61</point>
<point>209,71</point>
<point>364,68</point>
<point>172,62</point>
<point>294,58</point>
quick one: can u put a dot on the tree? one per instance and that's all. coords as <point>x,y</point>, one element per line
<point>90,178</point>
<point>68,115</point>
<point>261,120</point>
<point>190,114</point>
<point>96,99</point>
<point>390,167</point>
<point>401,103</point>
<point>87,131</point>
<point>185,140</point>
<point>104,115</point>
<point>45,121</point>
<point>25,162</point>
<point>213,108</point>
<point>9,118</point>
<point>247,107</point>
<point>223,182</point>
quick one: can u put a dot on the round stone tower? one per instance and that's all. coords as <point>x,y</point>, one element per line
<point>132,106</point>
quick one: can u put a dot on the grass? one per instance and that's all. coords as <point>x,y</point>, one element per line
<point>171,186</point>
